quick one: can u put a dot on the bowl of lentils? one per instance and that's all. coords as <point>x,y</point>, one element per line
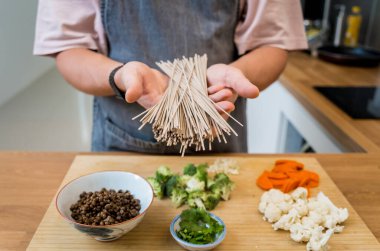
<point>105,205</point>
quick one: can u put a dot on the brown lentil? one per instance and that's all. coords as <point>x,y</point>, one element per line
<point>105,207</point>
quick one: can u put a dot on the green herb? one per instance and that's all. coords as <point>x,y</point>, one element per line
<point>198,227</point>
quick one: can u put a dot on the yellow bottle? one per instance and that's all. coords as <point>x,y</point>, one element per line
<point>354,21</point>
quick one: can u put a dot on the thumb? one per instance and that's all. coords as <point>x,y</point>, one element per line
<point>133,82</point>
<point>236,80</point>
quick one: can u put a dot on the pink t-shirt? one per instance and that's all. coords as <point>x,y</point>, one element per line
<point>66,24</point>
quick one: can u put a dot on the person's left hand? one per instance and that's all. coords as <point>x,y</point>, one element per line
<point>226,83</point>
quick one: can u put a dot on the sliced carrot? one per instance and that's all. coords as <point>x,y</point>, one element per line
<point>287,175</point>
<point>308,192</point>
<point>305,181</point>
<point>277,176</point>
<point>293,162</point>
<point>284,168</point>
<point>264,182</point>
<point>290,185</point>
<point>278,183</point>
<point>295,175</point>
<point>313,183</point>
<point>313,176</point>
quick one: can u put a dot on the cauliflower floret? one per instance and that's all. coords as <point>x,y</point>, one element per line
<point>301,207</point>
<point>316,217</point>
<point>285,206</point>
<point>272,213</point>
<point>338,229</point>
<point>325,213</point>
<point>318,240</point>
<point>262,206</point>
<point>281,200</point>
<point>300,232</point>
<point>311,222</point>
<point>334,215</point>
<point>299,193</point>
<point>287,220</point>
<point>275,196</point>
<point>314,205</point>
<point>306,219</point>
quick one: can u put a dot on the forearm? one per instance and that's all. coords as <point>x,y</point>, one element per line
<point>86,70</point>
<point>263,65</point>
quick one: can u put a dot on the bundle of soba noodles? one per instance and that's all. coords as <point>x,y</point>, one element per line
<point>185,114</point>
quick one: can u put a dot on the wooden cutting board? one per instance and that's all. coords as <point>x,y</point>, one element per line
<point>246,230</point>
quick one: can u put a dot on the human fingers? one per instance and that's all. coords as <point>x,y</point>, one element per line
<point>224,94</point>
<point>236,80</point>
<point>225,106</point>
<point>215,88</point>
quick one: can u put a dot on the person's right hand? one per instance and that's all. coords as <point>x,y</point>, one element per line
<point>141,83</point>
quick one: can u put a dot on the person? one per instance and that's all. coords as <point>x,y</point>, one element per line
<point>246,42</point>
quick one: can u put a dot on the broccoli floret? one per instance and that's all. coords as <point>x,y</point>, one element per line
<point>210,182</point>
<point>198,180</point>
<point>158,188</point>
<point>178,197</point>
<point>194,184</point>
<point>190,169</point>
<point>196,199</point>
<point>182,181</point>
<point>163,174</point>
<point>222,186</point>
<point>211,201</point>
<point>201,173</point>
<point>195,203</point>
<point>171,184</point>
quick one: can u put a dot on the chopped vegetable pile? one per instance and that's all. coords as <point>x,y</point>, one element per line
<point>198,227</point>
<point>312,220</point>
<point>223,165</point>
<point>287,175</point>
<point>194,188</point>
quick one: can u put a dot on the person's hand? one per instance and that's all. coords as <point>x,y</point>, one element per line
<point>226,83</point>
<point>141,83</point>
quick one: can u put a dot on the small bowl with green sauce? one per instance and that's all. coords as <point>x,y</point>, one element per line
<point>197,229</point>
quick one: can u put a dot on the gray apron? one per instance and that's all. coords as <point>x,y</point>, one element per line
<point>152,30</point>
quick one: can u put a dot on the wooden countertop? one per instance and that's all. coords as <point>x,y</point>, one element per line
<point>303,72</point>
<point>28,182</point>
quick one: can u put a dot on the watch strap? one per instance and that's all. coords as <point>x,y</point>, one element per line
<point>111,79</point>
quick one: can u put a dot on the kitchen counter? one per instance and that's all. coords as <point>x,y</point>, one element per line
<point>28,182</point>
<point>303,72</point>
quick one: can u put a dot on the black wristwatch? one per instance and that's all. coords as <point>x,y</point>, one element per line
<point>111,79</point>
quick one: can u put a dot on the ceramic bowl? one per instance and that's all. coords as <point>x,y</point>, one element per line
<point>138,186</point>
<point>174,227</point>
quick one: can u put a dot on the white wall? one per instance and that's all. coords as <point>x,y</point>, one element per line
<point>18,67</point>
<point>48,115</point>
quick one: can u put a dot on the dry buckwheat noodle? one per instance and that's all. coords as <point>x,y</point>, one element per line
<point>185,114</point>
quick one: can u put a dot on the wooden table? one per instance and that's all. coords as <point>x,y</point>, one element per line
<point>304,72</point>
<point>28,181</point>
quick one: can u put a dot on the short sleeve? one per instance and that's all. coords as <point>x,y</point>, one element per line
<point>277,23</point>
<point>66,24</point>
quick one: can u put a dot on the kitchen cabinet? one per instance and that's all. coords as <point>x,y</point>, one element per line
<point>278,123</point>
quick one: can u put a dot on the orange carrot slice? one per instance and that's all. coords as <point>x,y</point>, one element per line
<point>264,182</point>
<point>277,176</point>
<point>293,162</point>
<point>287,175</point>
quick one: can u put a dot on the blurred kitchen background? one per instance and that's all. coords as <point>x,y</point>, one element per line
<point>326,14</point>
<point>39,111</point>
